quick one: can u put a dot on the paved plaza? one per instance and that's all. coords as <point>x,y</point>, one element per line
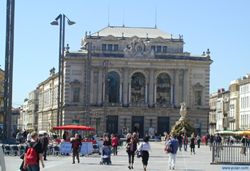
<point>157,162</point>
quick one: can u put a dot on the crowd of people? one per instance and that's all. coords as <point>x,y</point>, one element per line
<point>37,145</point>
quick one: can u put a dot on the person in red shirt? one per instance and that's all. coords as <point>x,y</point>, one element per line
<point>76,146</point>
<point>114,142</point>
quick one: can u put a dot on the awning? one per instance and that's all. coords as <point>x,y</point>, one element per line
<point>74,127</point>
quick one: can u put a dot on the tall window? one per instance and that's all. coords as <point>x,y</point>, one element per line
<point>197,90</point>
<point>104,47</point>
<point>116,47</point>
<point>165,49</point>
<point>138,88</point>
<point>113,87</point>
<point>110,47</point>
<point>76,94</point>
<point>197,97</point>
<point>163,89</point>
<point>158,49</point>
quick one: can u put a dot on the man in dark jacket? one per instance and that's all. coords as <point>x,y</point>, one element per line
<point>45,142</point>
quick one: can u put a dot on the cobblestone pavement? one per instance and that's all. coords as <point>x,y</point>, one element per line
<point>157,162</point>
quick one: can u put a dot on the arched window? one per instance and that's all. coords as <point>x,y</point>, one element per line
<point>138,88</point>
<point>113,87</point>
<point>163,89</point>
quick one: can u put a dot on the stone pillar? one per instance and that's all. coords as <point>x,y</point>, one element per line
<point>99,87</point>
<point>120,93</point>
<point>177,88</point>
<point>188,87</point>
<point>151,88</point>
<point>125,87</point>
<point>146,93</point>
<point>173,89</point>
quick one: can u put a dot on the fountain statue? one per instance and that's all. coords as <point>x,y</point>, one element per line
<point>183,111</point>
<point>182,125</point>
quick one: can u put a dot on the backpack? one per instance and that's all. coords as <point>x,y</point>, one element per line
<point>31,155</point>
<point>168,148</point>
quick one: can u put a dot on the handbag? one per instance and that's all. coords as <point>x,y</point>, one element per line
<point>139,152</point>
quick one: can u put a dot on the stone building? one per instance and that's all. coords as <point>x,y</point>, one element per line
<point>212,113</point>
<point>131,79</point>
<point>47,102</point>
<point>233,117</point>
<point>244,88</point>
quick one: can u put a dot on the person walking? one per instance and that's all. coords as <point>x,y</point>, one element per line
<point>198,138</point>
<point>144,147</point>
<point>185,142</point>
<point>45,142</point>
<point>244,142</point>
<point>130,149</point>
<point>33,154</point>
<point>180,139</point>
<point>192,144</point>
<point>172,146</point>
<point>76,146</point>
<point>114,143</point>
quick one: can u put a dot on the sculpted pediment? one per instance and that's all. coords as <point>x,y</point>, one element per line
<point>198,86</point>
<point>138,48</point>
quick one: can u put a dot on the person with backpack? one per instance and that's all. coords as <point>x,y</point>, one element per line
<point>33,154</point>
<point>171,149</point>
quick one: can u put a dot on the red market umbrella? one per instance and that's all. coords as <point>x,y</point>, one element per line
<point>74,127</point>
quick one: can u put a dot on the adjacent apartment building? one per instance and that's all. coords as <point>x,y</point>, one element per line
<point>232,109</point>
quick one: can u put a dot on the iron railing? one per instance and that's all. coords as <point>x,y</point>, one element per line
<point>234,154</point>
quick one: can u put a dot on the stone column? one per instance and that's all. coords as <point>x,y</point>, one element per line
<point>173,88</point>
<point>99,87</point>
<point>151,88</point>
<point>146,93</point>
<point>187,83</point>
<point>177,88</point>
<point>125,87</point>
<point>120,93</point>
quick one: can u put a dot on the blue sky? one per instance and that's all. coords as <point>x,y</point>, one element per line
<point>223,26</point>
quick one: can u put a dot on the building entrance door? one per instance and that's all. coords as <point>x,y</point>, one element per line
<point>112,124</point>
<point>163,125</point>
<point>138,125</point>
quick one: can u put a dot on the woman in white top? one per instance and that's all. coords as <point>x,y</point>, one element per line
<point>144,147</point>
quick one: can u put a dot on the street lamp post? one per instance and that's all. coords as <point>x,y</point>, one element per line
<point>8,75</point>
<point>60,20</point>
